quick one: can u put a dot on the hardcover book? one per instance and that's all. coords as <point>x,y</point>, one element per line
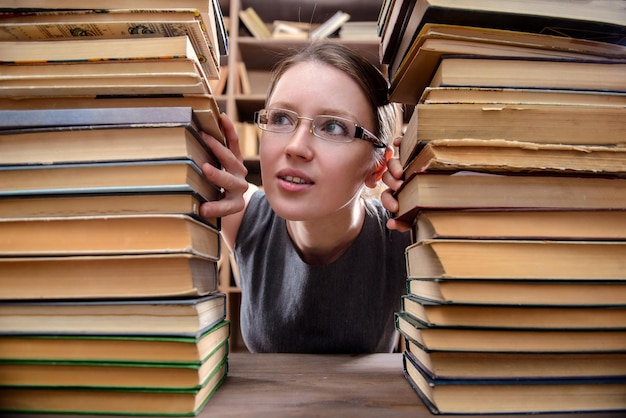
<point>177,316</point>
<point>485,396</point>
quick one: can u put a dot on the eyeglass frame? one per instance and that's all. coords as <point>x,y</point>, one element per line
<point>359,133</point>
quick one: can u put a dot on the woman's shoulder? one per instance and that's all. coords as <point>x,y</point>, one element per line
<point>257,216</point>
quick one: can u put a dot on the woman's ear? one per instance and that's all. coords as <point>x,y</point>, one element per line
<point>377,174</point>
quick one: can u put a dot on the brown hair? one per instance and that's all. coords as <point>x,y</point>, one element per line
<point>367,76</point>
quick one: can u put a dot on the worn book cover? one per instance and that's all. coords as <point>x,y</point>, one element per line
<point>488,396</point>
<point>166,316</point>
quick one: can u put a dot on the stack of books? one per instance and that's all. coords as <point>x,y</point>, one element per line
<point>108,274</point>
<point>515,182</point>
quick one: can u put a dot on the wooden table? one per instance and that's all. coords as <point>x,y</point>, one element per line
<point>275,385</point>
<point>279,385</point>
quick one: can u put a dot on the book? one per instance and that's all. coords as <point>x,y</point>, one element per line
<point>114,23</point>
<point>564,124</point>
<point>45,52</point>
<point>383,16</point>
<point>593,291</point>
<point>330,26</point>
<point>353,30</point>
<point>284,29</point>
<point>391,25</point>
<point>468,190</point>
<point>479,71</point>
<point>108,235</point>
<point>182,402</point>
<point>603,22</point>
<point>100,375</point>
<point>114,349</point>
<point>253,22</point>
<point>74,144</point>
<point>187,316</point>
<point>18,120</point>
<point>519,95</point>
<point>114,374</point>
<point>120,376</point>
<point>205,111</point>
<point>130,77</point>
<point>510,340</point>
<point>443,314</point>
<point>521,224</point>
<point>510,395</point>
<point>517,259</point>
<point>104,204</point>
<point>493,365</point>
<point>221,31</point>
<point>92,117</point>
<point>113,177</point>
<point>413,73</point>
<point>507,156</point>
<point>242,73</point>
<point>114,276</point>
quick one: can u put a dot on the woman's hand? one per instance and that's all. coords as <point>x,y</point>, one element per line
<point>393,179</point>
<point>231,178</point>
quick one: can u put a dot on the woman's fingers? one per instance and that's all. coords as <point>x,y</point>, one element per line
<point>230,178</point>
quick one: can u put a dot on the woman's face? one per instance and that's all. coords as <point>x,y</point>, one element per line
<point>306,177</point>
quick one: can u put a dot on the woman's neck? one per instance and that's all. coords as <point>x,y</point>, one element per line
<point>323,241</point>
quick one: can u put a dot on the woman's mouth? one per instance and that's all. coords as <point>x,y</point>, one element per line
<point>294,179</point>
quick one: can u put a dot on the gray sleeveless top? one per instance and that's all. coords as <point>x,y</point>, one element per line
<point>344,307</point>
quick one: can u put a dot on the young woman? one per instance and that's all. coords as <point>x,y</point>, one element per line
<point>321,270</point>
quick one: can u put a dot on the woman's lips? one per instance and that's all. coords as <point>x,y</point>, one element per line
<point>293,181</point>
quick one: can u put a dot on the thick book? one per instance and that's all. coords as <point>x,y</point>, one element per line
<point>113,401</point>
<point>479,71</point>
<point>170,275</point>
<point>414,73</point>
<point>507,156</point>
<point>105,204</point>
<point>108,235</point>
<point>603,21</point>
<point>114,349</point>
<point>517,259</point>
<point>90,118</point>
<point>469,190</point>
<point>521,224</point>
<point>180,316</point>
<point>526,291</point>
<point>124,78</point>
<point>51,24</point>
<point>105,375</point>
<point>205,110</point>
<point>104,143</point>
<point>253,22</point>
<point>330,26</point>
<point>553,124</point>
<point>174,176</point>
<point>81,49</point>
<point>487,95</point>
<point>553,340</point>
<point>120,374</point>
<point>477,315</point>
<point>511,395</point>
<point>494,365</point>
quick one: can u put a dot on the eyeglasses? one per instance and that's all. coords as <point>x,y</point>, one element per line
<point>329,128</point>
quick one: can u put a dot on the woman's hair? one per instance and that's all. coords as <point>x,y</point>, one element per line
<point>371,81</point>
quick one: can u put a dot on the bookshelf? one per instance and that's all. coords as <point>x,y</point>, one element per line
<point>259,56</point>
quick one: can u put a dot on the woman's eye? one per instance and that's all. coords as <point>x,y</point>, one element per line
<point>280,119</point>
<point>335,128</point>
